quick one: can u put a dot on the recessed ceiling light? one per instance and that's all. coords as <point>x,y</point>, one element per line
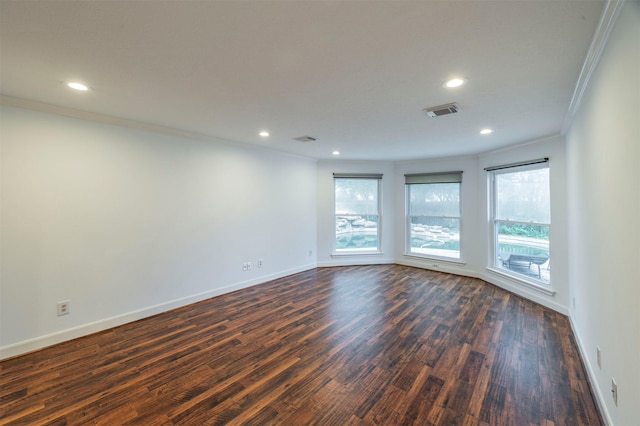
<point>454,82</point>
<point>336,152</point>
<point>264,133</point>
<point>77,86</point>
<point>486,131</point>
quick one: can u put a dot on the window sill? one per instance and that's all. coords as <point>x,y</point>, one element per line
<point>436,259</point>
<point>357,253</point>
<point>542,288</point>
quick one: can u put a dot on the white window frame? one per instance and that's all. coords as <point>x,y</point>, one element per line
<point>493,259</point>
<point>432,178</point>
<point>351,252</point>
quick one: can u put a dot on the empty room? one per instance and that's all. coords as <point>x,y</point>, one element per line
<point>281,212</point>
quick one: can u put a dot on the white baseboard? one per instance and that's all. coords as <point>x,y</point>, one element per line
<point>439,266</point>
<point>595,389</point>
<point>456,269</point>
<point>347,261</point>
<point>40,342</point>
<point>523,291</point>
<point>453,268</point>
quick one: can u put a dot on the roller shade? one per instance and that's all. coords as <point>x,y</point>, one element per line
<point>358,175</point>
<point>446,177</point>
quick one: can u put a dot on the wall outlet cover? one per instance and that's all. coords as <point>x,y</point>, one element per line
<point>63,308</point>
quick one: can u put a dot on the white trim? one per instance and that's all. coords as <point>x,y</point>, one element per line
<point>435,160</point>
<point>519,279</point>
<point>29,345</point>
<point>602,406</point>
<point>609,15</point>
<point>136,125</point>
<point>510,285</point>
<point>506,282</point>
<point>516,287</point>
<point>519,145</point>
<point>455,268</point>
<point>425,258</point>
<point>355,262</point>
<point>357,253</point>
<point>447,267</point>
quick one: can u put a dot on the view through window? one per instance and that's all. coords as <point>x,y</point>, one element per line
<point>521,220</point>
<point>433,214</point>
<point>357,212</point>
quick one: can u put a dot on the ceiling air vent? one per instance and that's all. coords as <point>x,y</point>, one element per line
<point>439,110</point>
<point>305,139</point>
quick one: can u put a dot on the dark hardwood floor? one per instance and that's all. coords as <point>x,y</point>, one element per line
<point>387,344</point>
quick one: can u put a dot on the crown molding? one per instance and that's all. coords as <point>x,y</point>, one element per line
<point>136,125</point>
<point>610,14</point>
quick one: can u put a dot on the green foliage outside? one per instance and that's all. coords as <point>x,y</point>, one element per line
<point>523,230</point>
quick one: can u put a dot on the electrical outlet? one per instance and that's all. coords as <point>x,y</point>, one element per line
<point>245,266</point>
<point>63,308</point>
<point>310,252</point>
<point>248,266</point>
<point>260,264</point>
<point>599,356</point>
<point>614,391</point>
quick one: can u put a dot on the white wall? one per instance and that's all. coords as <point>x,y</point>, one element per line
<point>125,223</point>
<point>326,221</point>
<point>603,150</point>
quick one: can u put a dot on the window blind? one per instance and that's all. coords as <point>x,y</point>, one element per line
<point>358,175</point>
<point>445,177</point>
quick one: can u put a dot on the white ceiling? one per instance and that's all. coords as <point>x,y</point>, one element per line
<point>354,74</point>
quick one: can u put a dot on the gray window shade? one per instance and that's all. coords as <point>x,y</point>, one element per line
<point>447,177</point>
<point>358,175</point>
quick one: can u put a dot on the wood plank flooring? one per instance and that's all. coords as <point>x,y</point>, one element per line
<point>388,344</point>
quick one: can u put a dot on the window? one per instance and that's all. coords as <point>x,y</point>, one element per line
<point>520,219</point>
<point>433,214</point>
<point>357,212</point>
